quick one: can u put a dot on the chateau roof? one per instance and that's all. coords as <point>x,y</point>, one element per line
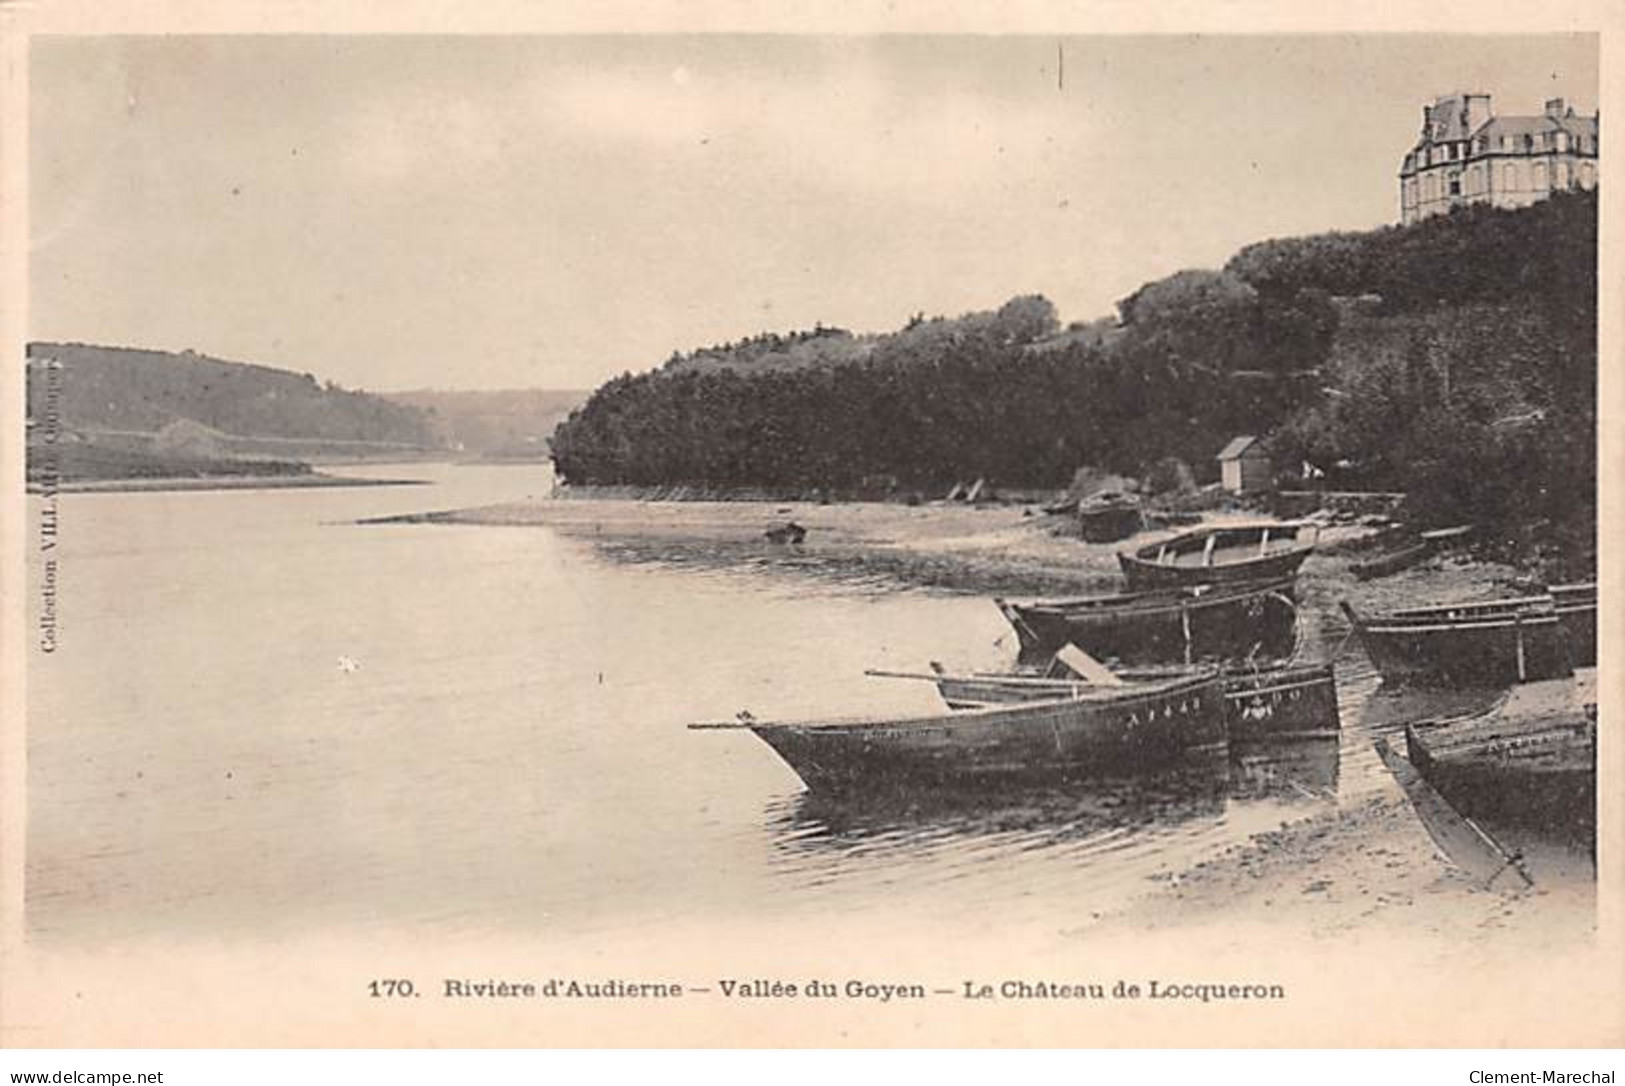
<point>1520,126</point>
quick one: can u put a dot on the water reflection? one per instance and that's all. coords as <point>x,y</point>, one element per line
<point>1302,768</point>
<point>1079,817</point>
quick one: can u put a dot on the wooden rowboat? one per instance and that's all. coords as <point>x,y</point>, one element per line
<point>1462,841</point>
<point>1220,554</point>
<point>1289,702</point>
<point>1177,625</point>
<point>1534,767</point>
<point>1490,643</point>
<point>1392,562</point>
<point>1098,730</point>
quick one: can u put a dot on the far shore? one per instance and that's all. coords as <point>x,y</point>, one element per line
<point>216,482</point>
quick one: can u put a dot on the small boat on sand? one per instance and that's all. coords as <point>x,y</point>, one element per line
<point>1092,731</point>
<point>1109,517</point>
<point>1424,546</point>
<point>1220,554</point>
<point>788,532</point>
<point>1173,625</point>
<point>1392,562</point>
<point>1285,702</point>
<point>1488,643</point>
<point>1530,762</point>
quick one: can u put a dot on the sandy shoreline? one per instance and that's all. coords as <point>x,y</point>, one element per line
<point>1011,549</point>
<point>1338,869</point>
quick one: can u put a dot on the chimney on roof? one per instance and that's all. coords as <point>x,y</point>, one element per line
<point>1477,110</point>
<point>1554,108</point>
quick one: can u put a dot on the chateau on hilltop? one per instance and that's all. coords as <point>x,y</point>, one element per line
<point>1468,155</point>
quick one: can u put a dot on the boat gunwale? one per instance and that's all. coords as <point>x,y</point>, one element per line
<point>1517,603</point>
<point>1498,747</point>
<point>1287,677</point>
<point>1403,626</point>
<point>1106,697</point>
<point>1171,600</point>
<point>1143,552</point>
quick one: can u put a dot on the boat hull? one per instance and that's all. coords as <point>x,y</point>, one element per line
<point>1285,703</point>
<point>1481,648</point>
<point>1180,626</point>
<point>1052,739</point>
<point>1217,555</point>
<point>1275,703</point>
<point>1540,777</point>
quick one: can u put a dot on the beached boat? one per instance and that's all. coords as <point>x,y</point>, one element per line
<point>1108,518</point>
<point>1490,643</point>
<point>1384,565</point>
<point>1425,546</point>
<point>1097,730</point>
<point>1463,842</point>
<point>1287,702</point>
<point>1178,625</point>
<point>1220,554</point>
<point>1530,763</point>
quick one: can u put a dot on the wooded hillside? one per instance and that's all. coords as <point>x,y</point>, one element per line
<point>1454,358</point>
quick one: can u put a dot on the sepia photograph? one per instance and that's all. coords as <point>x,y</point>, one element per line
<point>975,536</point>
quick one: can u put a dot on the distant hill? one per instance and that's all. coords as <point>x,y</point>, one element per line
<point>244,409</point>
<point>496,424</point>
<point>124,412</point>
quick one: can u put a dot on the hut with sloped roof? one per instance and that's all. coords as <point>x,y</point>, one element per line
<point>1245,466</point>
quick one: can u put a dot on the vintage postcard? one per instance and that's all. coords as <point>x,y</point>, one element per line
<point>702,528</point>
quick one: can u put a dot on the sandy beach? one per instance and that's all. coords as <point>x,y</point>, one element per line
<point>1015,549</point>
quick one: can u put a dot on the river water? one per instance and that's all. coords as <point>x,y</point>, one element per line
<point>264,718</point>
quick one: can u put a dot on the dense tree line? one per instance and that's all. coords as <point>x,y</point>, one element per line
<point>1454,358</point>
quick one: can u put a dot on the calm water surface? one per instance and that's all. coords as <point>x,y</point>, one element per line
<point>508,752</point>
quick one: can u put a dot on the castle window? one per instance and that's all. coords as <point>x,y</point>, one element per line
<point>1560,175</point>
<point>1510,176</point>
<point>1540,175</point>
<point>1506,143</point>
<point>1588,175</point>
<point>1455,186</point>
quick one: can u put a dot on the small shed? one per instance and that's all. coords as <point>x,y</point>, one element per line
<point>1244,466</point>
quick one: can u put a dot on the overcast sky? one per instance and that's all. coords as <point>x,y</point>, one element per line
<point>490,212</point>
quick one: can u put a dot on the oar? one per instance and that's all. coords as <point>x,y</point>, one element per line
<point>1002,680</point>
<point>744,720</point>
